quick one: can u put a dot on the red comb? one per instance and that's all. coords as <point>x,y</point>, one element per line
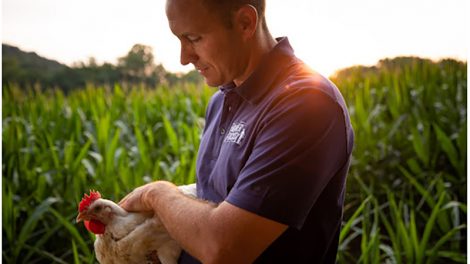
<point>88,199</point>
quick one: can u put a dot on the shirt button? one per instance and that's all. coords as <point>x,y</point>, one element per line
<point>222,131</point>
<point>229,108</point>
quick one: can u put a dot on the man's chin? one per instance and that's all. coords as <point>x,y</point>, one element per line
<point>211,82</point>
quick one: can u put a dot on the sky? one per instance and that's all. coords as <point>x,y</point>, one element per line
<point>326,34</point>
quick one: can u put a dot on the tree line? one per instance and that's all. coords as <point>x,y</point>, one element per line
<point>137,67</point>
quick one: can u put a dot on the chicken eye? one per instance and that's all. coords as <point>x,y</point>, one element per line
<point>98,208</point>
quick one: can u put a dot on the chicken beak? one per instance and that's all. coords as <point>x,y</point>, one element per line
<point>80,216</point>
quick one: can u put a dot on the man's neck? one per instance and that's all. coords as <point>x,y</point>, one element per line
<point>263,44</point>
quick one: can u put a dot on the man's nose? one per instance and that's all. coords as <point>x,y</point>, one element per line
<point>187,54</point>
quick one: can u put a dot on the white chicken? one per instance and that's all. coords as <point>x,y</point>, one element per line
<point>125,237</point>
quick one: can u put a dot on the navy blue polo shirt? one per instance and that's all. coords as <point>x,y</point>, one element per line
<point>279,146</point>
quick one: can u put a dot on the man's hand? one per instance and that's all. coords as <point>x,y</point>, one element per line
<point>144,197</point>
<point>230,234</point>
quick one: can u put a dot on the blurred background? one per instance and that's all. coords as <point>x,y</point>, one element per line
<point>93,97</point>
<point>328,35</point>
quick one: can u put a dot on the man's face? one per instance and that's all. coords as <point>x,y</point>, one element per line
<point>214,49</point>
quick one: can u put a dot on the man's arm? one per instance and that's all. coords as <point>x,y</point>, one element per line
<point>211,233</point>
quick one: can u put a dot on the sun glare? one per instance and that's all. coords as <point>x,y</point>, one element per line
<point>327,35</point>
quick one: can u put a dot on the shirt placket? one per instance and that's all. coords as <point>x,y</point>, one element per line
<point>228,112</point>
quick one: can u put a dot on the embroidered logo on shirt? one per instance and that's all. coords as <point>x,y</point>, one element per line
<point>236,133</point>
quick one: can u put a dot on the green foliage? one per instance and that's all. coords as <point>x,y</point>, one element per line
<point>56,147</point>
<point>27,69</point>
<point>406,196</point>
<point>138,63</point>
<point>409,116</point>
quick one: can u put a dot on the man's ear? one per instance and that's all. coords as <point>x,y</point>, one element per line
<point>246,21</point>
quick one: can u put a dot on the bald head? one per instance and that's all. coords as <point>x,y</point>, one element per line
<point>225,9</point>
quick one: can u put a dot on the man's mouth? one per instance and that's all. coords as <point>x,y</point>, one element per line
<point>202,70</point>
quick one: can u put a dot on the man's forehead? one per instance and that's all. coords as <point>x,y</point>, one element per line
<point>177,7</point>
<point>188,18</point>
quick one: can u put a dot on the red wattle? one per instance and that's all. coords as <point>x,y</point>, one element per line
<point>95,226</point>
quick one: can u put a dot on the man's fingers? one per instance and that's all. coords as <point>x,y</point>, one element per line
<point>134,200</point>
<point>123,200</point>
<point>128,203</point>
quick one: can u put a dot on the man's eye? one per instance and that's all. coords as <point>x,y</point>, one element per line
<point>193,39</point>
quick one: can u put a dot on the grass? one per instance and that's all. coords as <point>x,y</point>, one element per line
<point>406,196</point>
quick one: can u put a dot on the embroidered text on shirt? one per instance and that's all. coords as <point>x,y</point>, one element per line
<point>236,133</point>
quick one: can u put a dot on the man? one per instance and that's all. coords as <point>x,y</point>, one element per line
<point>275,150</point>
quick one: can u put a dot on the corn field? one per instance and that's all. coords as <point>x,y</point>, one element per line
<point>406,191</point>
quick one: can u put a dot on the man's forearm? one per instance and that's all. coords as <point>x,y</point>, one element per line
<point>188,220</point>
<point>212,233</point>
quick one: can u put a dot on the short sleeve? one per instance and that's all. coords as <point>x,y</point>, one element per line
<point>298,149</point>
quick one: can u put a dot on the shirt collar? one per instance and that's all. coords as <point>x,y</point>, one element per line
<point>226,88</point>
<point>270,67</point>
